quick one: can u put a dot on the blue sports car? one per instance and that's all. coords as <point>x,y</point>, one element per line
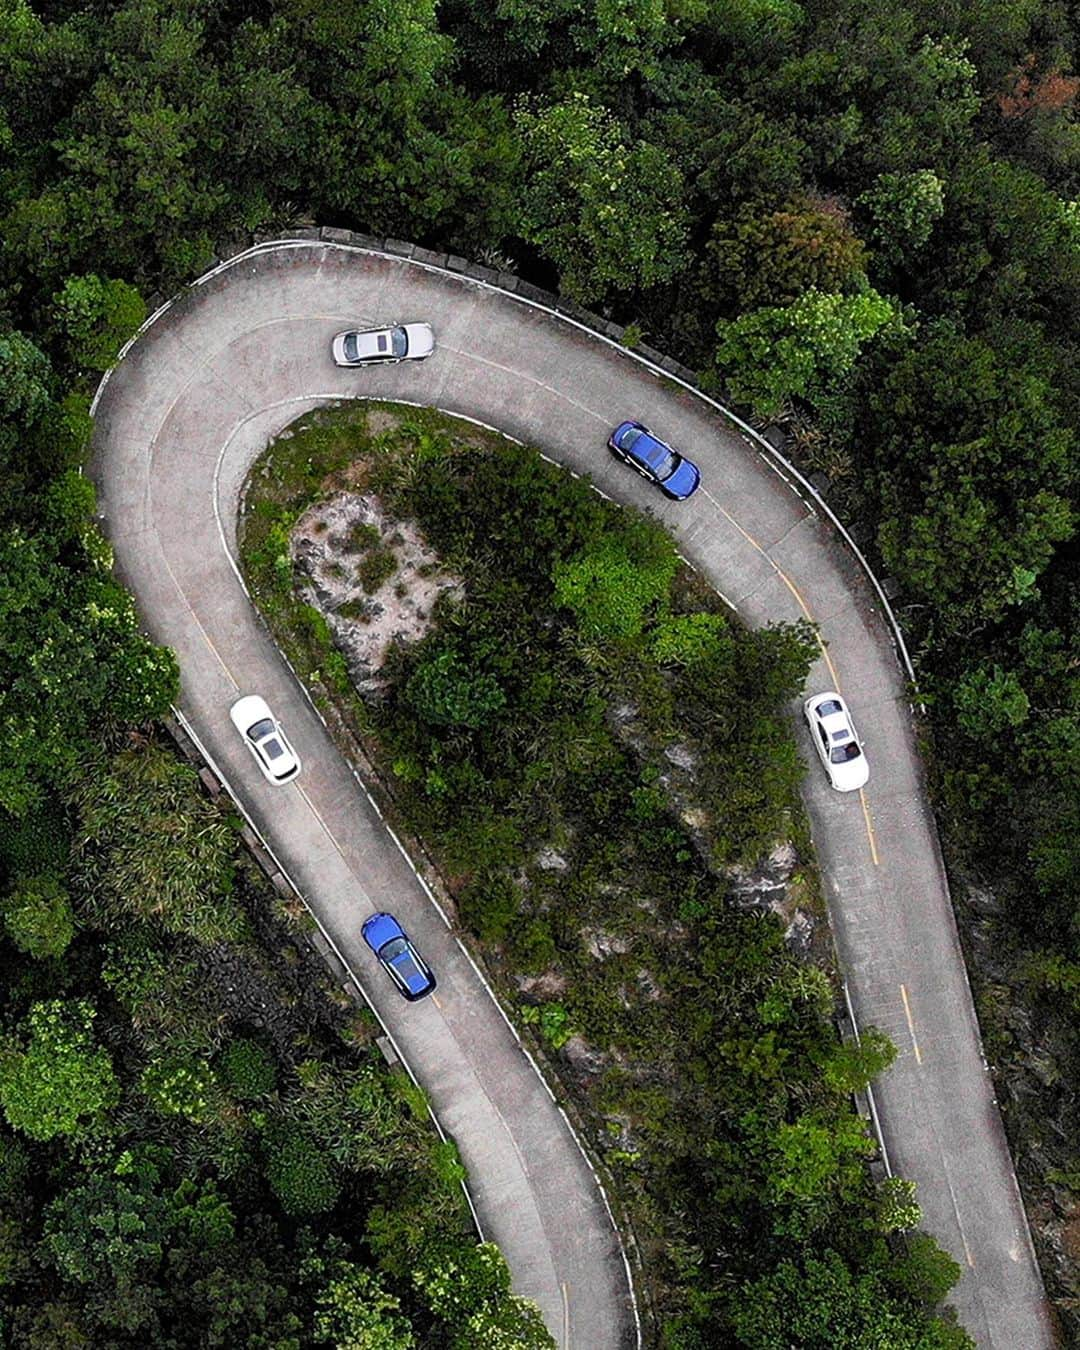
<point>655,460</point>
<point>397,956</point>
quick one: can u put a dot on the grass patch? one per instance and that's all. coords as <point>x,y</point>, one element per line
<point>376,567</point>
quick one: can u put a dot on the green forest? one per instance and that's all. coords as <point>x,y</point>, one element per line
<point>859,219</point>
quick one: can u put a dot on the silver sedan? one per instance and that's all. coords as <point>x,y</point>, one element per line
<point>379,346</point>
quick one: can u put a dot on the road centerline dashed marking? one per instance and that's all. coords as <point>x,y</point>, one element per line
<point>911,1024</point>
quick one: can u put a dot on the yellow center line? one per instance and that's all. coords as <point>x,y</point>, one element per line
<point>869,828</point>
<point>824,653</point>
<point>436,1002</point>
<point>911,1025</point>
<point>566,1314</point>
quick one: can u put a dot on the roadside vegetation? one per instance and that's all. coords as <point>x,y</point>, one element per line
<point>200,1144</point>
<point>858,218</point>
<point>595,754</point>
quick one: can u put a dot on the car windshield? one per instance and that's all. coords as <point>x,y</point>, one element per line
<point>351,346</point>
<point>389,951</point>
<point>842,753</point>
<point>260,729</point>
<point>828,708</point>
<point>400,341</point>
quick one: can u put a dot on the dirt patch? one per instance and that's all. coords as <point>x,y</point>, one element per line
<point>372,578</point>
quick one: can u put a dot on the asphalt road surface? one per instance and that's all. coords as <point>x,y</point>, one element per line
<point>179,423</point>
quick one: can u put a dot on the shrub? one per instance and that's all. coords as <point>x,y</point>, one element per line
<point>181,1087</point>
<point>608,591</point>
<point>490,905</point>
<point>533,947</point>
<point>552,1020</point>
<point>298,1171</point>
<point>38,916</point>
<point>445,690</point>
<point>363,536</point>
<point>249,1070</point>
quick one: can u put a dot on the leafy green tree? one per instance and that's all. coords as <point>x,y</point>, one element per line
<point>686,639</point>
<point>513,1324</point>
<point>14,1172</point>
<point>459,1279</point>
<point>14,1251</point>
<point>72,660</point>
<point>182,1087</point>
<point>990,700</point>
<point>923,1272</point>
<point>120,1221</point>
<point>354,1312</point>
<point>39,841</point>
<point>816,1153</point>
<point>851,1065</point>
<point>54,1078</point>
<point>468,1288</point>
<point>772,356</point>
<point>624,37</point>
<point>97,317</point>
<point>25,394</point>
<point>898,1211</point>
<point>825,1304</point>
<point>38,436</point>
<point>605,208</point>
<point>609,591</point>
<point>772,257</point>
<point>38,916</point>
<point>242,1298</point>
<point>903,209</point>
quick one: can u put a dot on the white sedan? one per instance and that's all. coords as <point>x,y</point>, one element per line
<point>376,346</point>
<point>836,741</point>
<point>265,739</point>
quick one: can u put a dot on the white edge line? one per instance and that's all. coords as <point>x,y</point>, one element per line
<point>869,1088</point>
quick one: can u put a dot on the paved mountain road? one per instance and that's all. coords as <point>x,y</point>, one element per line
<point>178,425</point>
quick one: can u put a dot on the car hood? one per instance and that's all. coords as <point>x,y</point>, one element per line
<point>684,480</point>
<point>421,339</point>
<point>380,929</point>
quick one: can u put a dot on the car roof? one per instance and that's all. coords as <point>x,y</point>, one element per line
<point>374,342</point>
<point>649,449</point>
